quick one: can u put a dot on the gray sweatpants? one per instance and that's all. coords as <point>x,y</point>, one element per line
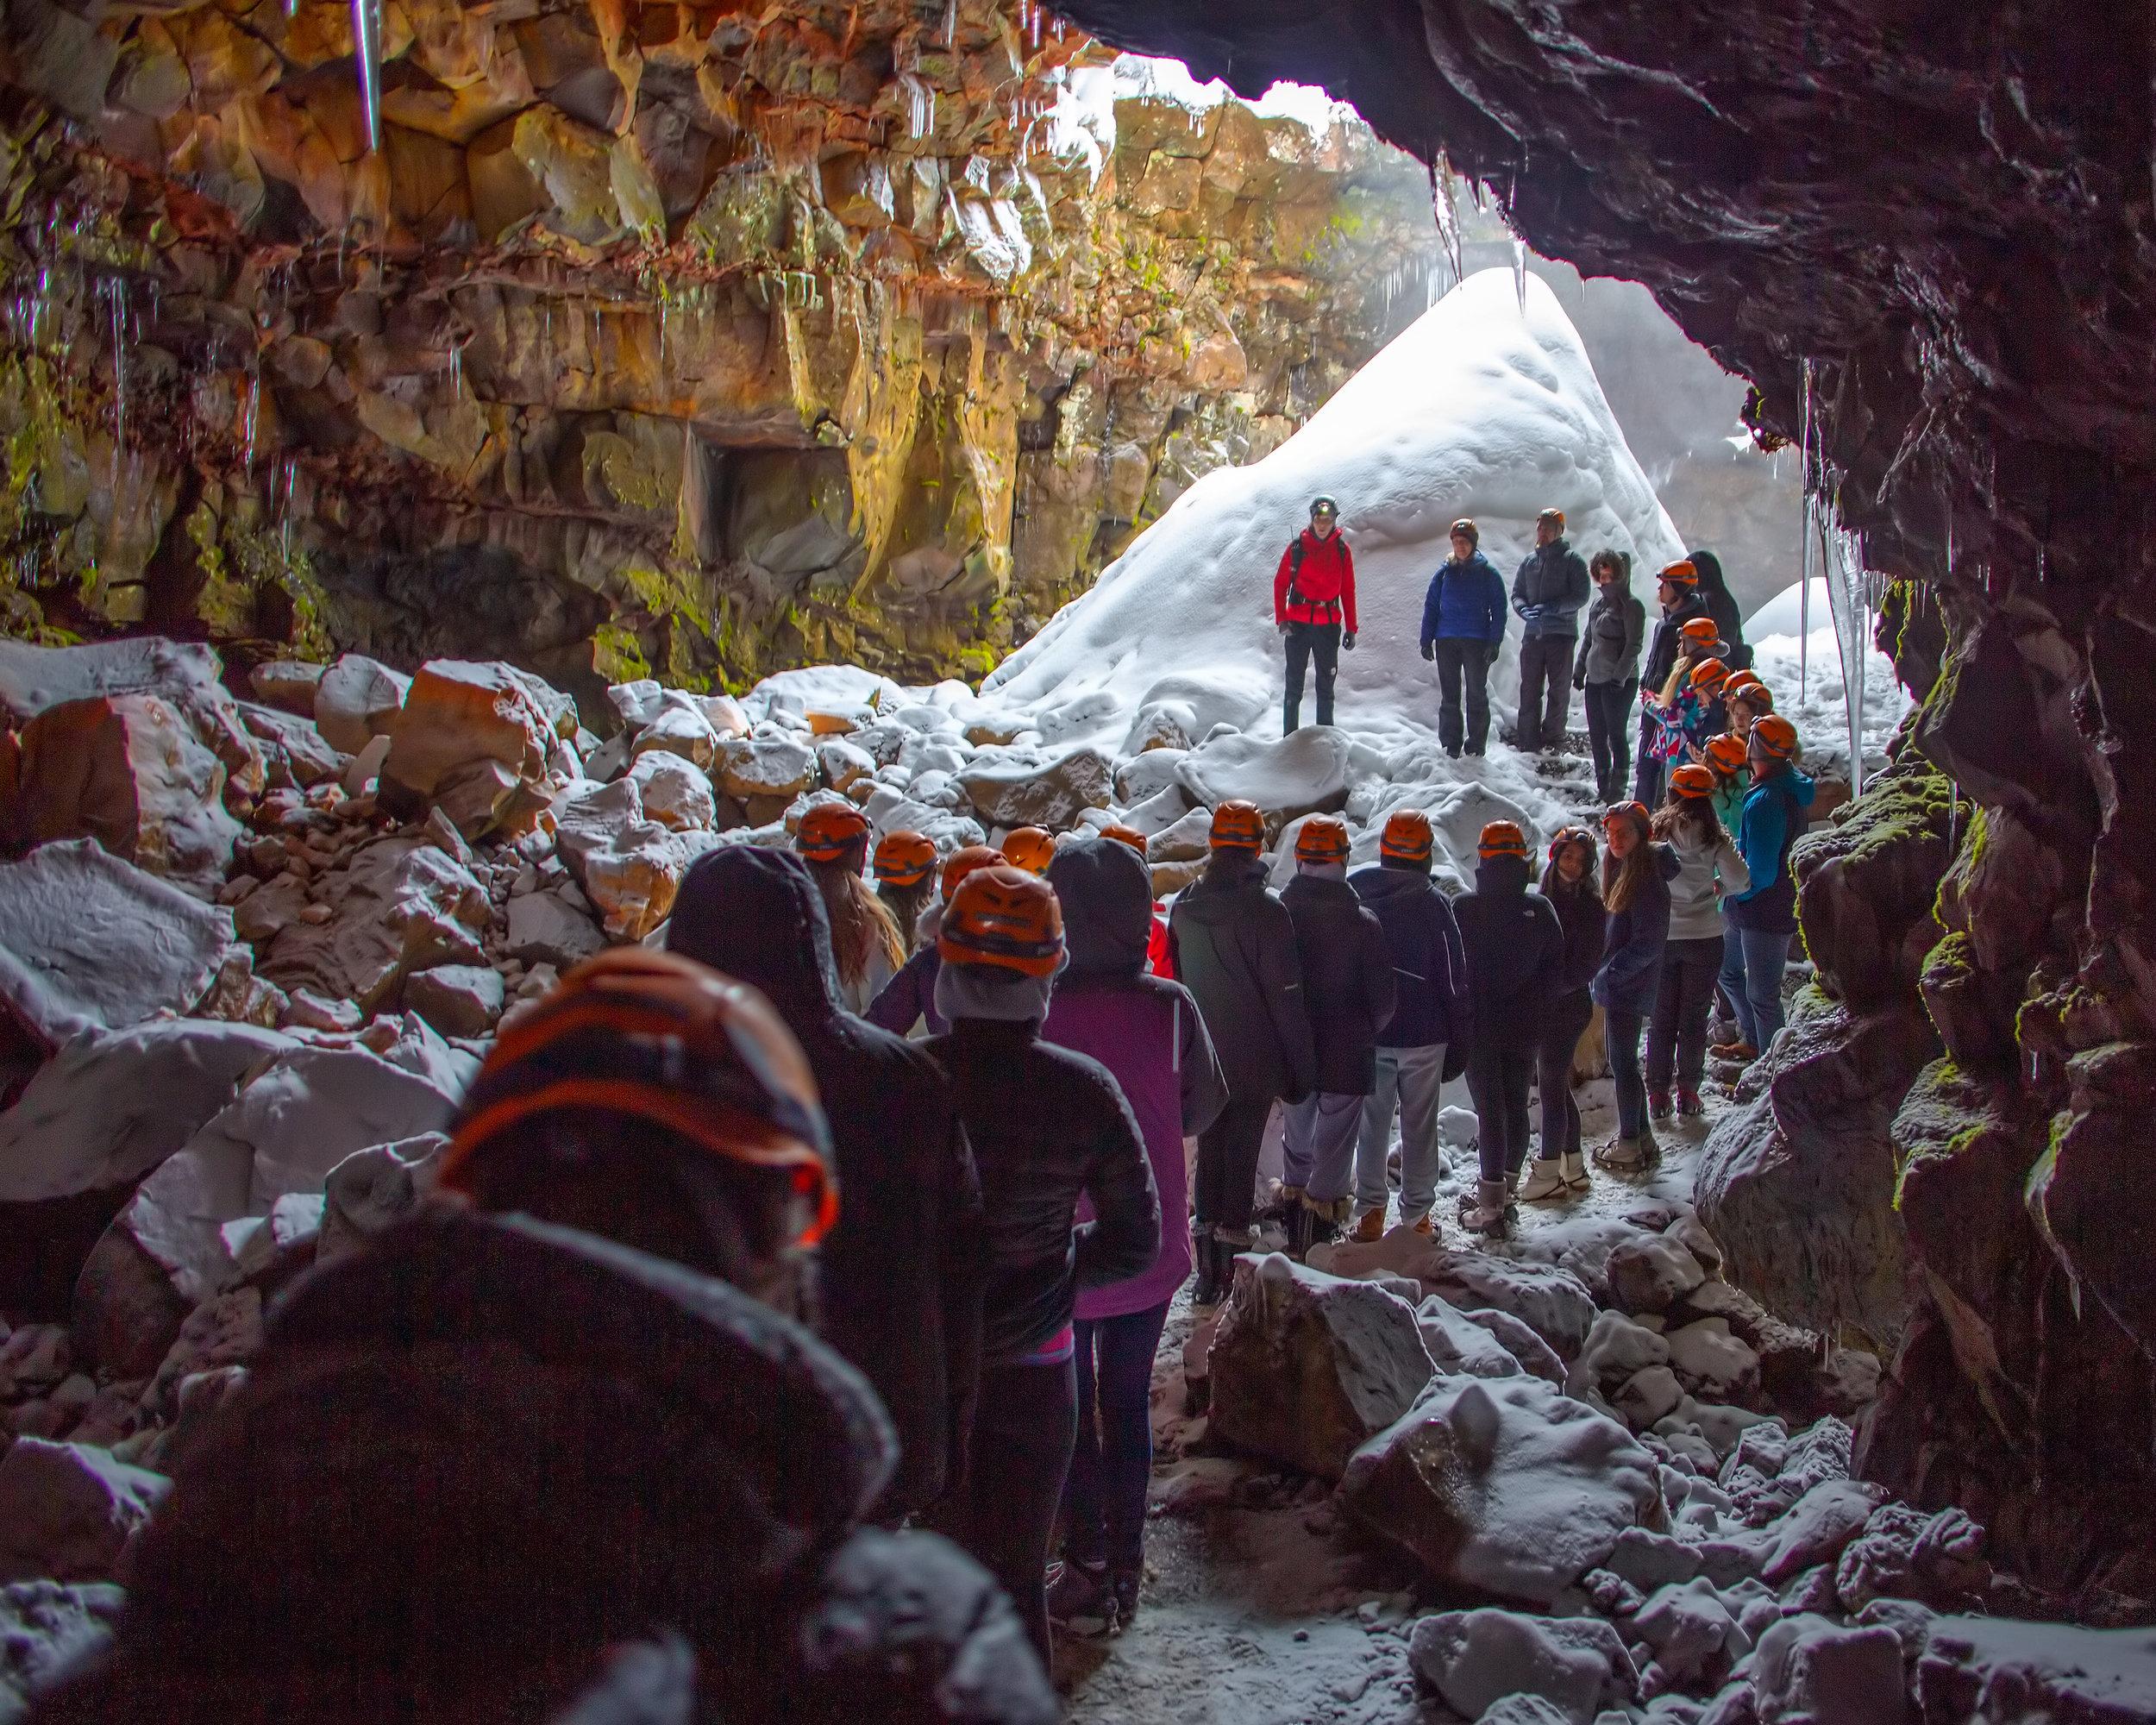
<point>1320,1148</point>
<point>1409,1079</point>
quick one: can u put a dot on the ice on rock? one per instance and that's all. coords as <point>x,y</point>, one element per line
<point>1458,1347</point>
<point>833,688</point>
<point>49,1628</point>
<point>1474,1660</point>
<point>1811,1671</point>
<point>1021,788</point>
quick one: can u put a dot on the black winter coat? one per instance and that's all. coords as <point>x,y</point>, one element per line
<point>1347,980</point>
<point>1668,637</point>
<point>1633,940</point>
<point>1045,1124</point>
<point>1429,964</point>
<point>902,1272</point>
<point>1551,589</point>
<point>1233,946</point>
<point>1515,956</point>
<point>1722,605</point>
<point>1580,915</point>
<point>472,1461</point>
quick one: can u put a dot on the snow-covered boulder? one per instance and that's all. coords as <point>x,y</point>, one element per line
<point>288,685</point>
<point>1550,1301</point>
<point>1310,771</point>
<point>399,906</point>
<point>1458,1347</point>
<point>673,791</point>
<point>1982,1667</point>
<point>373,1189</point>
<point>630,868</point>
<point>1472,1660</point>
<point>460,712</point>
<point>1305,1366</point>
<point>678,728</point>
<point>1648,1273</point>
<point>49,1628</point>
<point>457,1000</point>
<point>1812,1671</point>
<point>765,767</point>
<point>293,749</point>
<point>1504,1485</point>
<point>67,1509</point>
<point>1025,788</point>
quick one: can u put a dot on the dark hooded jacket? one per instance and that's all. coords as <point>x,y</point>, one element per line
<point>1233,944</point>
<point>1145,1030</point>
<point>1515,956</point>
<point>904,1269</point>
<point>1429,964</point>
<point>1347,980</point>
<point>1722,605</point>
<point>1669,639</point>
<point>472,1460</point>
<point>1580,915</point>
<point>1633,940</point>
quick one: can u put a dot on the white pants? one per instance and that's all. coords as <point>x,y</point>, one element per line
<point>1320,1148</point>
<point>1411,1078</point>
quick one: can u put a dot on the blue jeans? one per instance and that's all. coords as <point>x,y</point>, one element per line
<point>1621,1030</point>
<point>1752,963</point>
<point>1103,1497</point>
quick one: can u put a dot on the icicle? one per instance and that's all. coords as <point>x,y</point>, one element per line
<point>456,371</point>
<point>950,26</point>
<point>1520,272</point>
<point>119,371</point>
<point>254,416</point>
<point>1804,552</point>
<point>366,49</point>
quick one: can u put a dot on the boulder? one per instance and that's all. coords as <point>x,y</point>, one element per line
<point>67,1509</point>
<point>2074,1190</point>
<point>544,928</point>
<point>1615,1349</point>
<point>1907,1553</point>
<point>357,699</point>
<point>283,1133</point>
<point>125,1313</point>
<point>1866,887</point>
<point>1649,1272</point>
<point>843,762</point>
<point>1305,1366</point>
<point>457,1000</point>
<point>772,766</point>
<point>1310,771</point>
<point>1474,1658</point>
<point>1810,1671</point>
<point>482,798</point>
<point>1710,1362</point>
<point>1691,1631</point>
<point>630,868</point>
<point>673,792</point>
<point>288,685</point>
<point>1504,1485</point>
<point>129,772</point>
<point>1979,1667</point>
<point>1026,787</point>
<point>373,1189</point>
<point>1647,1396</point>
<point>1536,1356</point>
<point>293,747</point>
<point>459,711</point>
<point>1552,1302</point>
<point>224,1331</point>
<point>47,1630</point>
<point>399,906</point>
<point>89,941</point>
<point>1456,1346</point>
<point>678,729</point>
<point>1816,1528</point>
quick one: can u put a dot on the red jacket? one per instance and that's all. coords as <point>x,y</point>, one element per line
<point>1324,584</point>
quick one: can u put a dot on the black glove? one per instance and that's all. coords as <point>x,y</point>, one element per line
<point>1579,680</point>
<point>1430,649</point>
<point>1347,641</point>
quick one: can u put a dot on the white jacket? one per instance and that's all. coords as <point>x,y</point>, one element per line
<point>1705,872</point>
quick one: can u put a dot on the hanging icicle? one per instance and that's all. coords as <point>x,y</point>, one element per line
<point>1804,554</point>
<point>1842,556</point>
<point>1520,272</point>
<point>366,49</point>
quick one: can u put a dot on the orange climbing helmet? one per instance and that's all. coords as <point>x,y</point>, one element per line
<point>663,1039</point>
<point>1237,826</point>
<point>905,858</point>
<point>1681,574</point>
<point>1708,676</point>
<point>963,860</point>
<point>1324,839</point>
<point>1030,848</point>
<point>1775,736</point>
<point>1406,837</point>
<point>1126,835</point>
<point>1502,838</point>
<point>1744,686</point>
<point>1692,780</point>
<point>1701,631</point>
<point>829,831</point>
<point>1004,917</point>
<point>1726,753</point>
<point>1571,834</point>
<point>1633,813</point>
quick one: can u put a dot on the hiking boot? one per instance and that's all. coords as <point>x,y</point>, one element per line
<point>1575,1170</point>
<point>1368,1227</point>
<point>1082,1599</point>
<point>1627,1155</point>
<point>1489,1214</point>
<point>1323,1219</point>
<point>1545,1180</point>
<point>1126,1583</point>
<point>1659,1105</point>
<point>1208,1290</point>
<point>1688,1105</point>
<point>1739,1053</point>
<point>1425,1225</point>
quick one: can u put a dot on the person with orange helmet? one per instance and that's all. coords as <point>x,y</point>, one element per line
<point>866,946</point>
<point>1347,994</point>
<point>1708,868</point>
<point>1515,961</point>
<point>1233,944</point>
<point>1049,1128</point>
<point>1746,700</point>
<point>479,1453</point>
<point>1424,1041</point>
<point>907,1002</point>
<point>1569,884</point>
<point>1677,589</point>
<point>1725,757</point>
<point>1030,848</point>
<point>904,867</point>
<point>1636,871</point>
<point>1763,917</point>
<point>1148,1032</point>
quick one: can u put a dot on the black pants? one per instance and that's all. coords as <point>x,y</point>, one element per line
<point>1609,735</point>
<point>1104,1502</point>
<point>1497,1082</point>
<point>1463,663</point>
<point>1676,1037</point>
<point>1305,641</point>
<point>1566,1024</point>
<point>1004,1509</point>
<point>1227,1160</point>
<point>1650,776</point>
<point>1545,690</point>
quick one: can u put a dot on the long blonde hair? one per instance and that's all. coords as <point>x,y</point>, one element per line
<point>861,922</point>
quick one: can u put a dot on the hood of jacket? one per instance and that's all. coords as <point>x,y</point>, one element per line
<point>1106,894</point>
<point>1500,877</point>
<point>1213,902</point>
<point>1383,886</point>
<point>757,915</point>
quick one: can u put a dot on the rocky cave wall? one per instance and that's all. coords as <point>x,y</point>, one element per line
<point>703,340</point>
<point>1925,234</point>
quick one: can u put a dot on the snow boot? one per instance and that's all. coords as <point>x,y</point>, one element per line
<point>1490,1211</point>
<point>1659,1105</point>
<point>1628,1154</point>
<point>1370,1225</point>
<point>1738,1053</point>
<point>1575,1170</point>
<point>1688,1105</point>
<point>1545,1180</point>
<point>1208,1289</point>
<point>1082,1599</point>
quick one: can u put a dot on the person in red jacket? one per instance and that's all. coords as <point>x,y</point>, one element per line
<point>1313,604</point>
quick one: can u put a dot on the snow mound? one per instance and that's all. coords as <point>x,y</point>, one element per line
<point>1483,407</point>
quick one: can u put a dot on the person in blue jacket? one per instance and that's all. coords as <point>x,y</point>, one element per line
<point>1464,619</point>
<point>1759,922</point>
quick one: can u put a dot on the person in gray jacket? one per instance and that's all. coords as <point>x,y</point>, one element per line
<point>1548,592</point>
<point>1608,671</point>
<point>1709,866</point>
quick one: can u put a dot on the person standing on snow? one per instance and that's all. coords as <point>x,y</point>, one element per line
<point>1677,591</point>
<point>1233,944</point>
<point>866,946</point>
<point>1709,867</point>
<point>1548,592</point>
<point>1608,673</point>
<point>1636,876</point>
<point>1463,627</point>
<point>1424,1041</point>
<point>1568,882</point>
<point>1515,960</point>
<point>1047,1127</point>
<point>1148,1032</point>
<point>1762,919</point>
<point>1347,993</point>
<point>1313,605</point>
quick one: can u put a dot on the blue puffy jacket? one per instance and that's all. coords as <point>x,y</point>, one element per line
<point>1466,601</point>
